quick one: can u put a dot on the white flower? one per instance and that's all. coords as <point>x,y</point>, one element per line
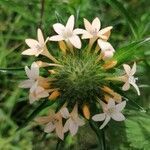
<point>37,94</point>
<point>107,50</point>
<point>53,122</point>
<point>73,122</point>
<point>129,78</point>
<point>38,47</point>
<point>67,33</point>
<point>93,30</point>
<point>110,111</point>
<point>34,83</point>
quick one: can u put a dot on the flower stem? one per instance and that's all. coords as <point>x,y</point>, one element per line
<point>100,135</point>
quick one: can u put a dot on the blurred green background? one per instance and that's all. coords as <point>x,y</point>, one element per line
<point>19,19</point>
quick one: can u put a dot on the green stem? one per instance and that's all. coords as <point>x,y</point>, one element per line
<point>94,128</point>
<point>100,135</point>
<point>103,140</point>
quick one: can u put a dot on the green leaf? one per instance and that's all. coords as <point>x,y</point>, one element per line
<point>10,69</point>
<point>128,52</point>
<point>117,5</point>
<point>138,131</point>
<point>45,104</point>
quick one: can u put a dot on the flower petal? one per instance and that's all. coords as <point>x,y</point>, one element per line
<point>133,70</point>
<point>29,52</point>
<point>43,120</point>
<point>126,86</point>
<point>96,24</point>
<point>73,127</point>
<point>43,94</point>
<point>34,73</point>
<point>104,106</point>
<point>34,88</point>
<point>117,116</point>
<point>105,46</point>
<point>32,98</point>
<point>99,117</point>
<point>127,69</point>
<point>59,28</point>
<point>40,36</point>
<point>64,112</point>
<point>66,126</point>
<point>59,129</point>
<point>56,38</point>
<point>120,106</point>
<point>49,127</point>
<point>78,31</point>
<point>75,41</point>
<point>32,43</point>
<point>87,25</point>
<point>105,122</point>
<point>70,23</point>
<point>79,121</point>
<point>136,87</point>
<point>26,84</point>
<point>87,35</point>
<point>107,55</point>
<point>111,103</point>
<point>105,33</point>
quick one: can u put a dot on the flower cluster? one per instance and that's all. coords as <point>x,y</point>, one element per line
<point>78,78</point>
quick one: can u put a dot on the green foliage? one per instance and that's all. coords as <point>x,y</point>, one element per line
<point>20,19</point>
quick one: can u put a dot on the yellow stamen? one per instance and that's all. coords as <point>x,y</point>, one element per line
<point>86,111</point>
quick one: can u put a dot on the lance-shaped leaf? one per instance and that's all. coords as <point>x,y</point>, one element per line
<point>129,52</point>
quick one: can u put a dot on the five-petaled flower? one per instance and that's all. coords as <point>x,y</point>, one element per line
<point>36,83</point>
<point>110,110</point>
<point>93,30</point>
<point>129,78</point>
<point>52,122</point>
<point>67,33</point>
<point>38,47</point>
<point>73,122</point>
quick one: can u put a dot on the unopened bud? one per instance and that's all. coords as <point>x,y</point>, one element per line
<point>86,111</point>
<point>54,95</point>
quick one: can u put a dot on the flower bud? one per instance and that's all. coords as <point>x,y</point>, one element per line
<point>86,111</point>
<point>54,95</point>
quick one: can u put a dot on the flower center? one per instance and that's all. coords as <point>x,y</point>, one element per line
<point>39,47</point>
<point>94,32</point>
<point>79,78</point>
<point>67,33</point>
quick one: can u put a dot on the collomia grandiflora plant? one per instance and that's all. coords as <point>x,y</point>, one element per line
<point>79,78</point>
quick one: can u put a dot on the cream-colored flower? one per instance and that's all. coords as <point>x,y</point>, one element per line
<point>93,30</point>
<point>110,110</point>
<point>35,83</point>
<point>52,122</point>
<point>38,93</point>
<point>129,78</point>
<point>38,47</point>
<point>67,33</point>
<point>73,122</point>
<point>107,50</point>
